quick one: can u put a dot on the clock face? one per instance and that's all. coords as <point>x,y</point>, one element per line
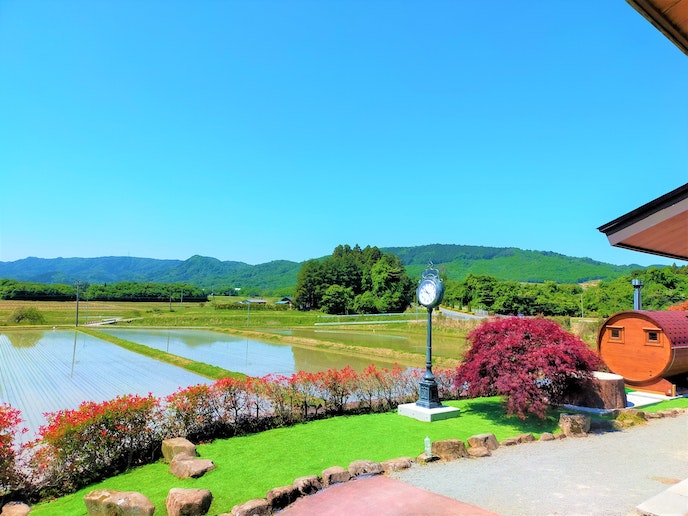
<point>427,293</point>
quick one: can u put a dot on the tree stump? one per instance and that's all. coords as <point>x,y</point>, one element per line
<point>608,391</point>
<point>604,391</point>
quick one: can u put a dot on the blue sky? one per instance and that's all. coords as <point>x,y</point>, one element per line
<point>263,130</point>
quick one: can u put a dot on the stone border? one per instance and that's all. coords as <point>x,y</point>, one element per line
<point>480,445</point>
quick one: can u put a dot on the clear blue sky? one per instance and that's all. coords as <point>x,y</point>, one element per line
<point>263,130</point>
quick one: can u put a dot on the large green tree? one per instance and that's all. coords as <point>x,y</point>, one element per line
<point>354,280</point>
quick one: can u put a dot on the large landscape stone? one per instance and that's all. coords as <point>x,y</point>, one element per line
<point>15,509</point>
<point>281,497</point>
<point>425,458</point>
<point>118,503</point>
<point>364,467</point>
<point>488,441</point>
<point>479,451</point>
<point>397,464</point>
<point>255,507</point>
<point>188,502</point>
<point>183,466</point>
<point>574,425</point>
<point>449,449</point>
<point>177,446</point>
<point>525,438</point>
<point>335,475</point>
<point>308,485</point>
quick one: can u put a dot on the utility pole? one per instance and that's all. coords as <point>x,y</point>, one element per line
<point>76,322</point>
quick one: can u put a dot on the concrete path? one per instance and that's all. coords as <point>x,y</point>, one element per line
<point>642,470</point>
<point>603,474</point>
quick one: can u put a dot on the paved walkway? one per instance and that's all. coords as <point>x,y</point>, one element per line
<point>380,496</point>
<point>603,474</point>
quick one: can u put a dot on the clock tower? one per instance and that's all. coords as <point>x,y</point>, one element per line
<point>428,408</point>
<point>430,293</point>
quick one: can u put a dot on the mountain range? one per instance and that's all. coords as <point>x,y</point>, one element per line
<point>280,276</point>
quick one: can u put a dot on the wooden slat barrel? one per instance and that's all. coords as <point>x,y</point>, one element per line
<point>646,348</point>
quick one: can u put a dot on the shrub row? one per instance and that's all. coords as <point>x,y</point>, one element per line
<point>98,440</point>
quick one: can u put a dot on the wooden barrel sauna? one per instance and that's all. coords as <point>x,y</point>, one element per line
<point>646,348</point>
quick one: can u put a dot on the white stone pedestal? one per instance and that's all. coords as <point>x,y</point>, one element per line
<point>427,414</point>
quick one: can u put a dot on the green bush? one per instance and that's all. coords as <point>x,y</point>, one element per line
<point>27,314</point>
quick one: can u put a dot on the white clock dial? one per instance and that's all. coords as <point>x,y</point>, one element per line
<point>426,293</point>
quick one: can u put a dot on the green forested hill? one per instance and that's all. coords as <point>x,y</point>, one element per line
<point>279,277</point>
<point>506,263</point>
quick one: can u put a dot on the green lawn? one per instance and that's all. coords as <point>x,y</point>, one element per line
<point>248,466</point>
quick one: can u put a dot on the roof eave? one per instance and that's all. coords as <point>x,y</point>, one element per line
<point>658,204</point>
<point>677,34</point>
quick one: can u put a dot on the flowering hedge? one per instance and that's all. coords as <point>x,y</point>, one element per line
<point>97,440</point>
<point>11,478</point>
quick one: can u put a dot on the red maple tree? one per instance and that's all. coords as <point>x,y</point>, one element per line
<point>533,363</point>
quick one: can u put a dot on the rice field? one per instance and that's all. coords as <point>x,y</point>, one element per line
<point>244,355</point>
<point>49,370</point>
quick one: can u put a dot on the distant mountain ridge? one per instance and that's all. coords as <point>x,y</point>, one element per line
<point>507,263</point>
<point>279,277</point>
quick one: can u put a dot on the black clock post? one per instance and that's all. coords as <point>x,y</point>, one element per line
<point>430,292</point>
<point>428,407</point>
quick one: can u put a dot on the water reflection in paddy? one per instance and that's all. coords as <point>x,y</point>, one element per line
<point>450,346</point>
<point>248,356</point>
<point>46,371</point>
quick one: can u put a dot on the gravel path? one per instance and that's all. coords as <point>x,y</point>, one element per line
<point>602,474</point>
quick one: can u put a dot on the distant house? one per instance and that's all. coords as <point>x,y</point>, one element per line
<point>286,301</point>
<point>256,301</point>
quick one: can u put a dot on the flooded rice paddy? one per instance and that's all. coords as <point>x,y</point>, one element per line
<point>47,371</point>
<point>251,357</point>
<point>449,346</point>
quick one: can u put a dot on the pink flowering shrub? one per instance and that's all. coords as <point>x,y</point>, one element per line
<point>307,395</point>
<point>10,475</point>
<point>534,363</point>
<point>446,387</point>
<point>192,411</point>
<point>278,390</point>
<point>95,441</point>
<point>337,387</point>
<point>231,401</point>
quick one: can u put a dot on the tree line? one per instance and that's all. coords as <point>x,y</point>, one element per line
<point>662,287</point>
<point>363,281</point>
<point>121,291</point>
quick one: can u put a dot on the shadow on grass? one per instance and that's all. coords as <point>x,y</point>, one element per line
<point>493,411</point>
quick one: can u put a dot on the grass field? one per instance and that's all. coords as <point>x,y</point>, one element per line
<point>250,465</point>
